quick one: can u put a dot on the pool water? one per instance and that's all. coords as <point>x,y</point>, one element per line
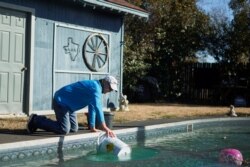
<point>138,153</point>
<point>198,148</point>
<point>192,149</point>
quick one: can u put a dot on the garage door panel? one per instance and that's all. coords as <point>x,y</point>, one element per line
<point>17,87</point>
<point>5,19</point>
<point>20,22</point>
<point>19,48</point>
<point>4,83</point>
<point>5,46</point>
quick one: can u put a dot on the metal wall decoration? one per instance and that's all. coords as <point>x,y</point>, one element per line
<point>72,49</point>
<point>95,52</point>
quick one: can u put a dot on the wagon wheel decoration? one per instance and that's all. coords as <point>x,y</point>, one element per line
<point>95,52</point>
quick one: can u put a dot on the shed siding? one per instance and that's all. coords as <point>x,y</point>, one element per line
<point>43,60</point>
<point>78,23</point>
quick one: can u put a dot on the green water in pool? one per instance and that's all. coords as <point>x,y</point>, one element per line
<point>192,149</point>
<point>199,148</point>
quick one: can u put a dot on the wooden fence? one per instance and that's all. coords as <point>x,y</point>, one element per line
<point>206,83</point>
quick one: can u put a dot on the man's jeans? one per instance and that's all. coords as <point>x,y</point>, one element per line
<point>66,121</point>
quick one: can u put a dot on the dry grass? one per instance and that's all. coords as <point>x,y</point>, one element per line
<point>140,112</point>
<point>159,111</point>
<point>13,123</point>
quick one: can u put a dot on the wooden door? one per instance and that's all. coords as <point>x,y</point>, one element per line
<point>12,56</point>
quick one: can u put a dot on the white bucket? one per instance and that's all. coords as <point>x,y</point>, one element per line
<point>113,145</point>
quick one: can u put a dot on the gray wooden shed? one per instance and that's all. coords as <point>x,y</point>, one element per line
<point>46,44</point>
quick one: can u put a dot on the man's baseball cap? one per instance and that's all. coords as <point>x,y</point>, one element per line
<point>112,81</point>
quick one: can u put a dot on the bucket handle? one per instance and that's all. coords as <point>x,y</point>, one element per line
<point>101,134</point>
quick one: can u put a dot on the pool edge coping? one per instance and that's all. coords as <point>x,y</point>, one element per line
<point>70,138</point>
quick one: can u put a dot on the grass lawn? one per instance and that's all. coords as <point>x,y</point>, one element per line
<point>140,112</point>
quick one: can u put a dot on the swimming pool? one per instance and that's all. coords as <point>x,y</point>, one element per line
<point>188,143</point>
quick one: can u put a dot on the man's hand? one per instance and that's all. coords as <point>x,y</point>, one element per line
<point>110,133</point>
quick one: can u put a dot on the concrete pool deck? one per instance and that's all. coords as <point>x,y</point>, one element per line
<point>18,145</point>
<point>13,136</point>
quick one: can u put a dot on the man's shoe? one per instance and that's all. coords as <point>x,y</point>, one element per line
<point>31,128</point>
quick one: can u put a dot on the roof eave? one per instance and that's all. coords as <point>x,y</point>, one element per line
<point>119,8</point>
